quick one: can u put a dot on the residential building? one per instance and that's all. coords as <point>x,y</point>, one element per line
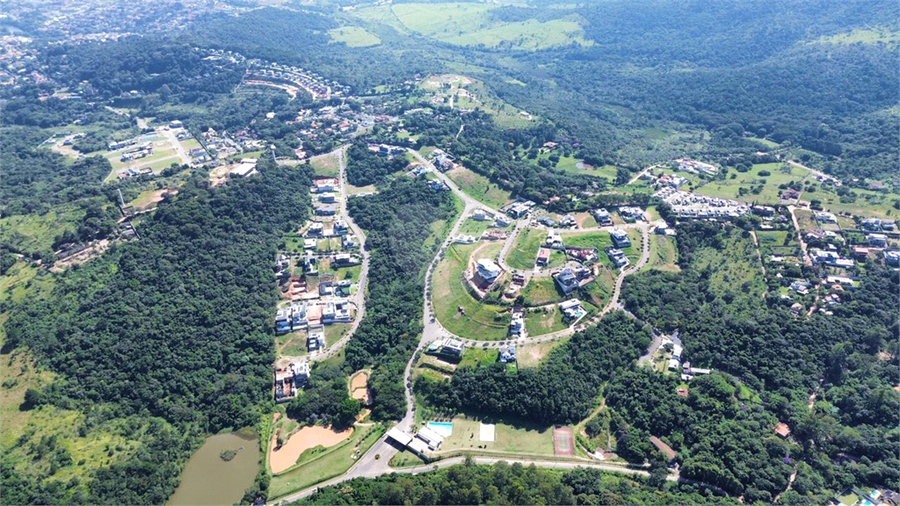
<point>782,430</point>
<point>617,257</point>
<point>452,347</point>
<point>517,324</point>
<point>298,316</point>
<point>315,339</point>
<point>825,217</point>
<point>327,197</point>
<point>283,321</point>
<point>620,238</point>
<point>488,269</point>
<point>631,213</point>
<point>507,354</point>
<point>326,210</point>
<point>543,257</point>
<point>877,240</point>
<point>892,258</point>
<point>554,240</point>
<point>602,216</point>
<point>572,309</point>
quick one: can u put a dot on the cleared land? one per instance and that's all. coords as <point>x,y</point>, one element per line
<point>354,36</point>
<point>478,319</point>
<point>509,437</point>
<point>531,355</point>
<point>468,24</point>
<point>540,291</point>
<point>302,440</point>
<point>544,321</point>
<point>663,254</point>
<point>759,184</point>
<point>479,187</point>
<point>325,165</point>
<point>523,254</point>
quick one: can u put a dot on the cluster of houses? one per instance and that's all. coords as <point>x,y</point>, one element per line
<point>442,160</point>
<point>145,150</point>
<point>289,380</point>
<point>695,167</point>
<point>519,209</point>
<point>316,85</point>
<point>693,206</point>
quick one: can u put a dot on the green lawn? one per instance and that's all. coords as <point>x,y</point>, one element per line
<point>353,36</point>
<point>544,321</point>
<point>523,254</point>
<point>510,437</point>
<point>474,357</point>
<point>745,185</point>
<point>540,291</point>
<point>335,331</point>
<point>333,462</point>
<point>481,320</point>
<point>473,228</point>
<point>663,254</point>
<point>325,165</point>
<point>471,24</point>
<point>351,273</point>
<point>479,187</point>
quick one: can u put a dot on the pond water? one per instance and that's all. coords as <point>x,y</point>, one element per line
<point>207,479</point>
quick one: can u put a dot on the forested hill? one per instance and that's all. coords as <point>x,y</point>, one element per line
<point>175,325</point>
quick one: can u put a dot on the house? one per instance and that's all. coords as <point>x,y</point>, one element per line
<point>325,185</point>
<point>336,311</point>
<point>326,288</point>
<point>554,240</point>
<point>825,217</point>
<point>176,124</point>
<point>664,449</point>
<point>572,309</point>
<point>348,242</point>
<point>430,437</point>
<point>340,227</point>
<point>283,321</point>
<point>796,308</point>
<point>310,244</point>
<point>790,194</point>
<point>315,228</point>
<point>298,316</point>
<point>488,269</point>
<point>617,257</point>
<point>345,260</point>
<point>566,280</point>
<point>584,255</point>
<point>288,380</point>
<point>567,221</point>
<point>782,430</point>
<point>507,354</point>
<point>543,257</point>
<point>517,324</point>
<point>326,210</point>
<point>892,258</point>
<point>860,252</point>
<point>801,287</point>
<point>481,215</point>
<point>465,239</point>
<point>876,240</point>
<point>602,216</point>
<point>501,222</point>
<point>316,338</point>
<point>452,347</point>
<point>327,197</point>
<point>764,211</point>
<point>518,210</point>
<point>631,213</point>
<point>620,238</point>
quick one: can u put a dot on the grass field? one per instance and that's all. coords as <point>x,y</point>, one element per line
<point>325,165</point>
<point>544,321</point>
<point>470,24</point>
<point>474,357</point>
<point>353,36</point>
<point>33,232</point>
<point>333,462</point>
<point>510,437</point>
<point>540,291</point>
<point>805,219</point>
<point>481,320</point>
<point>743,187</point>
<point>663,254</point>
<point>473,228</point>
<point>479,187</point>
<point>870,204</point>
<point>531,355</point>
<point>735,267</point>
<point>873,35</point>
<point>524,252</point>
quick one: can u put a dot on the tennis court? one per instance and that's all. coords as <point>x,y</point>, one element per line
<point>563,441</point>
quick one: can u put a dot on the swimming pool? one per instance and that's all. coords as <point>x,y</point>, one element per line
<point>443,428</point>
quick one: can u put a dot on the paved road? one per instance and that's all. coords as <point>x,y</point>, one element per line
<point>375,462</point>
<point>179,149</point>
<point>359,299</point>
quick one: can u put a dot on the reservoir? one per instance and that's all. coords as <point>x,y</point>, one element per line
<point>207,479</point>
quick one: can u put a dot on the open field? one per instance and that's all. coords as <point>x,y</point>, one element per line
<point>805,219</point>
<point>735,267</point>
<point>479,187</point>
<point>531,355</point>
<point>524,252</point>
<point>474,357</point>
<point>333,462</point>
<point>544,321</point>
<point>33,232</point>
<point>663,254</point>
<point>482,320</point>
<point>867,203</point>
<point>509,437</point>
<point>745,185</point>
<point>302,440</point>
<point>872,35</point>
<point>540,291</point>
<point>353,36</point>
<point>468,24</point>
<point>325,165</point>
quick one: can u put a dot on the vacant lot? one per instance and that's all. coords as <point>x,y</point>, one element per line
<point>531,355</point>
<point>325,165</point>
<point>540,291</point>
<point>523,254</point>
<point>479,187</point>
<point>470,24</point>
<point>354,36</point>
<point>544,321</point>
<point>663,254</point>
<point>477,320</point>
<point>759,184</point>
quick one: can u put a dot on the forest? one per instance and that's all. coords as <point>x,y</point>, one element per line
<point>561,391</point>
<point>505,483</point>
<point>175,326</point>
<point>365,168</point>
<point>848,360</point>
<point>398,222</point>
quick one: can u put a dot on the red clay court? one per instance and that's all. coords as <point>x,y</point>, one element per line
<point>563,441</point>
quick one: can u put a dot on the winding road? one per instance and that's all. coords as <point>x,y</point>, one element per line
<point>375,462</point>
